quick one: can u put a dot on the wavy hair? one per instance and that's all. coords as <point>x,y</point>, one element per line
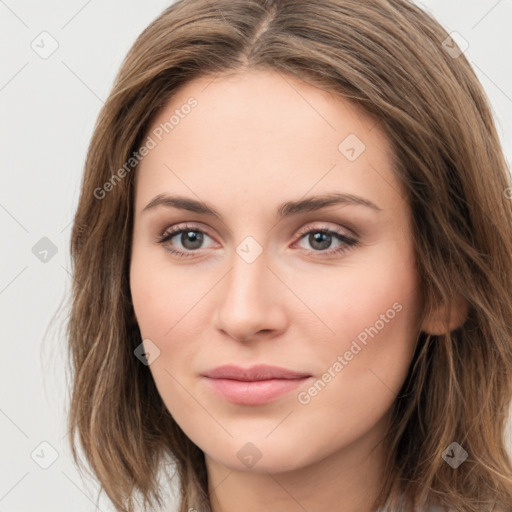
<point>391,59</point>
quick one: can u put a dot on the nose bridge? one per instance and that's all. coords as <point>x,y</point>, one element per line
<point>250,296</point>
<point>247,284</point>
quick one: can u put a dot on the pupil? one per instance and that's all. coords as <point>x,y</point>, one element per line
<point>323,239</point>
<point>191,237</point>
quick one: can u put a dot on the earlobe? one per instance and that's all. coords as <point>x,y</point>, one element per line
<point>446,318</point>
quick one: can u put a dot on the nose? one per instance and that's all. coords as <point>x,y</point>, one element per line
<point>252,298</point>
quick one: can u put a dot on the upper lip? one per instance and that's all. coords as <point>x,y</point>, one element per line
<point>258,372</point>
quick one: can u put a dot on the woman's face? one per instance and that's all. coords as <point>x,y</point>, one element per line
<point>325,290</point>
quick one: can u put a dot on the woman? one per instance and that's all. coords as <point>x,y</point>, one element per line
<point>292,265</point>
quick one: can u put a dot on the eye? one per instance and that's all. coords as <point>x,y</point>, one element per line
<point>322,238</point>
<point>191,239</point>
<point>189,236</point>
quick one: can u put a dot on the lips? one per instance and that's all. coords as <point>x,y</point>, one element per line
<point>253,386</point>
<point>259,372</point>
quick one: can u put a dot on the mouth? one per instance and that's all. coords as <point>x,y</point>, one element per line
<point>253,386</point>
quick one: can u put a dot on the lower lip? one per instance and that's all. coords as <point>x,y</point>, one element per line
<point>256,392</point>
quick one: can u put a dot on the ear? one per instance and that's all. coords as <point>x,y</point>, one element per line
<point>446,317</point>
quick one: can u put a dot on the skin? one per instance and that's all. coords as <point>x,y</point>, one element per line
<point>257,139</point>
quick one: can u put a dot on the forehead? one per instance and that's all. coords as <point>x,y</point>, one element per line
<point>260,133</point>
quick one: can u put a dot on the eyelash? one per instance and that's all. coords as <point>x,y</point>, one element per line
<point>170,233</point>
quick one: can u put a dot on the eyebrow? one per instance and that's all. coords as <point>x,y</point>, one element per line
<point>286,209</point>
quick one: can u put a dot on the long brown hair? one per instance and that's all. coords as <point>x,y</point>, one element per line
<point>391,59</point>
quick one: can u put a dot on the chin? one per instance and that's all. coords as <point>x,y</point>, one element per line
<point>257,455</point>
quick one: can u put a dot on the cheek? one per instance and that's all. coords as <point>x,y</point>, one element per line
<point>169,304</point>
<point>372,311</point>
<point>373,307</point>
<point>363,367</point>
<point>163,295</point>
<point>163,300</point>
<point>378,291</point>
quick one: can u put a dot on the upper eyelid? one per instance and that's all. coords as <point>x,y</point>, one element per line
<point>177,228</point>
<point>323,227</point>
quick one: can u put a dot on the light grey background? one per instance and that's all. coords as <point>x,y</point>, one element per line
<point>48,110</point>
